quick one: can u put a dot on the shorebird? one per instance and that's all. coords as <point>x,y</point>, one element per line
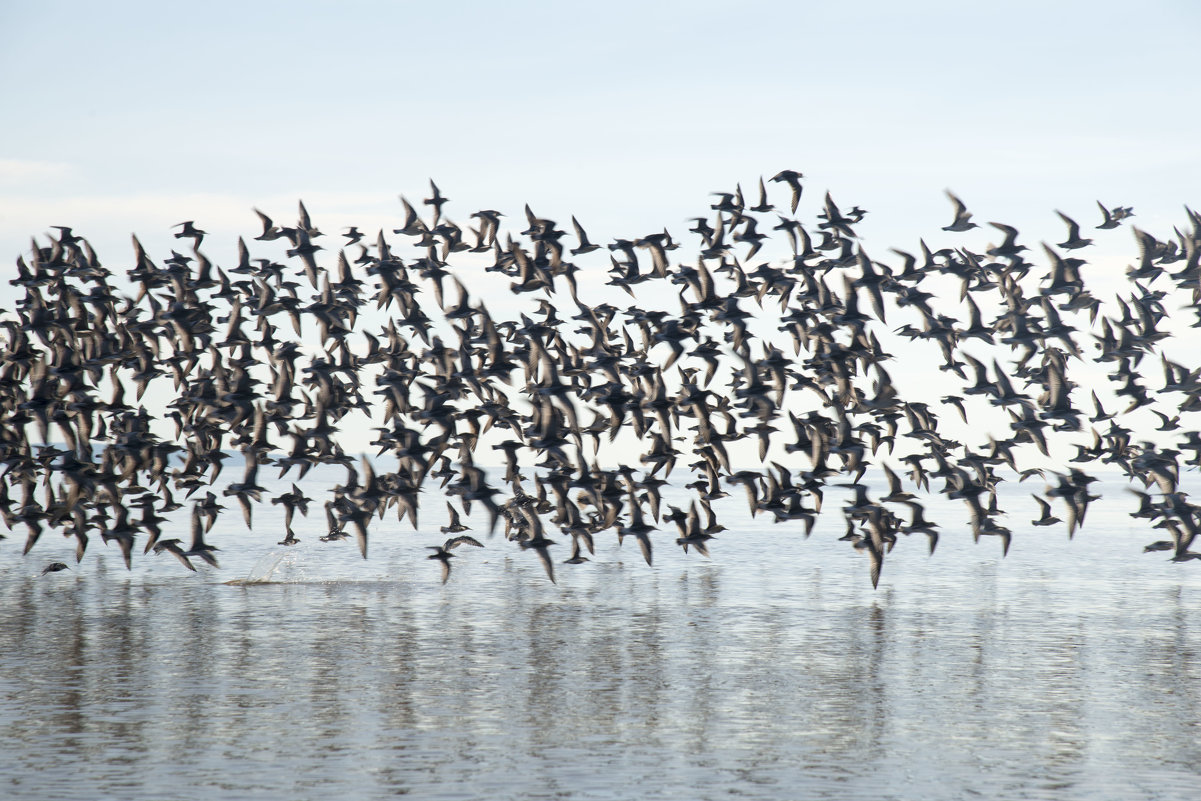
<point>793,179</point>
<point>1074,239</point>
<point>443,552</point>
<point>1045,518</point>
<point>173,547</point>
<point>962,221</point>
<point>198,547</point>
<point>116,395</point>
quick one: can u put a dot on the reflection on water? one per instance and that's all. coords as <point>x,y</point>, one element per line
<point>1063,671</point>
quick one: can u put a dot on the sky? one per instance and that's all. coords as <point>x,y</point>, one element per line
<point>134,116</point>
<point>130,117</point>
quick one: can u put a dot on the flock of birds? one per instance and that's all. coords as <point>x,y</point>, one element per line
<point>541,392</point>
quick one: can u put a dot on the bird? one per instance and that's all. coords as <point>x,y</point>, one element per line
<point>1045,518</point>
<point>291,502</point>
<point>576,557</point>
<point>173,547</point>
<point>539,545</point>
<point>198,547</point>
<point>1110,219</point>
<point>962,221</point>
<point>585,246</point>
<point>270,231</point>
<point>793,179</point>
<point>456,525</point>
<point>123,395</point>
<point>189,230</point>
<point>1074,239</point>
<point>443,552</point>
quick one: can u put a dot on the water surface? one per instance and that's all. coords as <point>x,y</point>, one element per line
<point>1066,670</point>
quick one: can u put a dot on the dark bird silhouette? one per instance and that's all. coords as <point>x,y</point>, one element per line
<point>793,179</point>
<point>1074,239</point>
<point>121,393</point>
<point>962,221</point>
<point>443,552</point>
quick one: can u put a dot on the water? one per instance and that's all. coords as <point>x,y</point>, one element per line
<point>1066,670</point>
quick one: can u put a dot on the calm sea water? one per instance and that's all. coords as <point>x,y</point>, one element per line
<point>1066,670</point>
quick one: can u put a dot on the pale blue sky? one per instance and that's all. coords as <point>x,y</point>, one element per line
<point>132,116</point>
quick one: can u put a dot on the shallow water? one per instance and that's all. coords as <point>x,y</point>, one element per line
<point>1066,670</point>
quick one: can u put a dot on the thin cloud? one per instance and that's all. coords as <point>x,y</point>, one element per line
<point>24,171</point>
